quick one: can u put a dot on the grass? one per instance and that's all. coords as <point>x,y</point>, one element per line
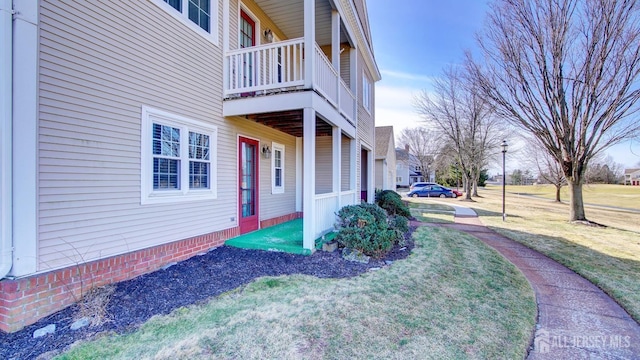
<point>609,257</point>
<point>598,194</point>
<point>431,213</point>
<point>452,298</point>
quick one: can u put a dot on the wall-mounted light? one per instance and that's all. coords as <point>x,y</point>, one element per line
<point>266,152</point>
<point>268,36</point>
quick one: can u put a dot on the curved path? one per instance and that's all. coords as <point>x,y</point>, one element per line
<point>576,320</point>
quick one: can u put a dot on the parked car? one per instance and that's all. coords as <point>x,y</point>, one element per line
<point>420,184</point>
<point>456,192</point>
<point>432,191</point>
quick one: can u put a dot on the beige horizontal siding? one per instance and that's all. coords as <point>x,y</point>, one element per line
<point>99,63</point>
<point>324,164</point>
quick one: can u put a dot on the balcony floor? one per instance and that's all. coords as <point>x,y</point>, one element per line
<point>286,237</point>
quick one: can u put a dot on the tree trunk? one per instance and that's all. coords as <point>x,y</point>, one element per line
<point>467,187</point>
<point>558,193</point>
<point>476,178</point>
<point>576,203</point>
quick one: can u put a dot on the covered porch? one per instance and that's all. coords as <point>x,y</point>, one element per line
<point>294,69</point>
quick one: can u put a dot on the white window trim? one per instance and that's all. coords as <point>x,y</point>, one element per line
<point>366,93</point>
<point>150,196</point>
<point>277,189</point>
<point>183,17</point>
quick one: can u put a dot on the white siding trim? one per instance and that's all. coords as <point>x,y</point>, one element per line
<point>147,194</point>
<point>277,189</point>
<point>25,138</point>
<point>183,17</point>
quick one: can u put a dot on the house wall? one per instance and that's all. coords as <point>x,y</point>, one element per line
<point>380,171</point>
<point>347,159</point>
<point>94,77</point>
<point>324,164</point>
<point>271,205</point>
<point>402,171</point>
<point>366,122</point>
<point>391,165</point>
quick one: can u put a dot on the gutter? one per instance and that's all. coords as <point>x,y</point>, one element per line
<point>6,143</point>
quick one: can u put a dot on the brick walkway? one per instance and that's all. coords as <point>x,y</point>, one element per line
<point>576,320</point>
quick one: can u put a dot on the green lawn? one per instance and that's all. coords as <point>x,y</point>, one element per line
<point>609,257</point>
<point>431,213</point>
<point>599,194</point>
<point>452,298</point>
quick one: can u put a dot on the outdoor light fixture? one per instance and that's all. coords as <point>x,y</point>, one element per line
<point>268,35</point>
<point>504,147</point>
<point>266,152</point>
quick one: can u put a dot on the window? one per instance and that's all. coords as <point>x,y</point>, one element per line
<point>277,169</point>
<point>399,179</point>
<point>200,15</point>
<point>366,93</point>
<point>178,158</point>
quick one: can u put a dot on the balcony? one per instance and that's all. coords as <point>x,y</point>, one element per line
<point>279,67</point>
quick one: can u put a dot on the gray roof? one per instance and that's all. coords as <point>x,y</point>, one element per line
<point>384,135</point>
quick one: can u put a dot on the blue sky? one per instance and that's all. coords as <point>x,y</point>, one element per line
<point>414,40</point>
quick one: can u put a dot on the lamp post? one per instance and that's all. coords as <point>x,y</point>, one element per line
<point>504,147</point>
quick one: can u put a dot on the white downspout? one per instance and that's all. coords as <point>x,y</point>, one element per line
<point>6,145</point>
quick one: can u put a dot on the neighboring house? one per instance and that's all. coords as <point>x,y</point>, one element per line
<point>632,177</point>
<point>145,132</point>
<point>408,169</point>
<point>385,174</point>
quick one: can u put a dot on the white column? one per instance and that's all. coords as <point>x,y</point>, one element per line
<point>309,42</point>
<point>371,180</point>
<point>25,131</point>
<point>356,81</point>
<point>335,40</point>
<point>225,45</point>
<point>309,181</point>
<point>299,174</point>
<point>353,156</point>
<point>337,162</point>
<point>335,49</point>
<point>6,95</point>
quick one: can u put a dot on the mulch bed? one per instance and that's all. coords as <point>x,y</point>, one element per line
<point>189,282</point>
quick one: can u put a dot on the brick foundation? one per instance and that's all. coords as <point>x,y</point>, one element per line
<point>24,301</point>
<point>280,219</point>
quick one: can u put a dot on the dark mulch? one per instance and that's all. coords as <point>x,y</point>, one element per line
<point>189,282</point>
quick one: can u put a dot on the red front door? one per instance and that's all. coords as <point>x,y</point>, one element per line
<point>248,181</point>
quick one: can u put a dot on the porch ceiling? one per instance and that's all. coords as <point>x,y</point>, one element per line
<point>290,122</point>
<point>288,15</point>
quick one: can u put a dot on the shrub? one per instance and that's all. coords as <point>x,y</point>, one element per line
<point>392,202</point>
<point>365,228</point>
<point>400,225</point>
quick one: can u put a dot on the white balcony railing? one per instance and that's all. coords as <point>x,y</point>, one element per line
<point>326,209</point>
<point>280,66</point>
<point>326,81</point>
<point>265,67</point>
<point>347,102</point>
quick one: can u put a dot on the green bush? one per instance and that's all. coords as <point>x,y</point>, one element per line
<point>367,228</point>
<point>392,202</point>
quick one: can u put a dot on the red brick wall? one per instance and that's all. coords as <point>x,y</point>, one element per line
<point>23,301</point>
<point>279,219</point>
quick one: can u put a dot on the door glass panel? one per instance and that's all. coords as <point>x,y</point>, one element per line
<point>248,180</point>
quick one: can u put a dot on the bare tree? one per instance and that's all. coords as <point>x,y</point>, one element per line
<point>565,71</point>
<point>465,121</point>
<point>549,169</point>
<point>604,170</point>
<point>423,144</point>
